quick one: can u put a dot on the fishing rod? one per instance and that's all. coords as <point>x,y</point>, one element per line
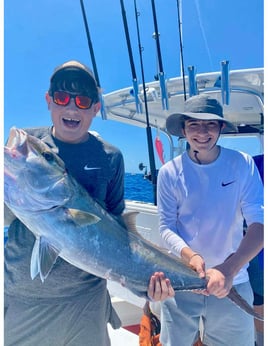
<point>90,46</point>
<point>181,47</point>
<point>161,73</point>
<point>131,60</point>
<point>148,127</point>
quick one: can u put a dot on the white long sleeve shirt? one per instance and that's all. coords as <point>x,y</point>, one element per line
<point>204,206</point>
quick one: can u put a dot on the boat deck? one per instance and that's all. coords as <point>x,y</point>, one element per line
<point>120,336</point>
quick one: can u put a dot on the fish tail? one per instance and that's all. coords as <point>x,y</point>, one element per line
<point>243,304</point>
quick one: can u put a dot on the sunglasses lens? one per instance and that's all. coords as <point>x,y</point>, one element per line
<point>61,98</point>
<point>83,102</point>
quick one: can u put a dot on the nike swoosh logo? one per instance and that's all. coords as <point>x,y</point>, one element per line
<point>86,168</point>
<point>226,184</point>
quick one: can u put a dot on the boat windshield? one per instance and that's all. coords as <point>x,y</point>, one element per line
<point>251,144</point>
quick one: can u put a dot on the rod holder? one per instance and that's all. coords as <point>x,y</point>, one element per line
<point>192,81</point>
<point>225,82</point>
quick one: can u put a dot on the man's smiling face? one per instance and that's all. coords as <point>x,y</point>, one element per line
<point>71,123</point>
<point>202,134</point>
<point>73,100</point>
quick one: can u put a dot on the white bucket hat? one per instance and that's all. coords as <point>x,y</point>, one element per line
<point>201,107</point>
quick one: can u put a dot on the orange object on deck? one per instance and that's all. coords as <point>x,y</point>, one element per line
<point>145,336</point>
<point>149,328</point>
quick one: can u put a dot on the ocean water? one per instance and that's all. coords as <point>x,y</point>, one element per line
<point>138,188</point>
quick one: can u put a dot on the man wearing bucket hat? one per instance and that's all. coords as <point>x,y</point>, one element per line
<point>204,195</point>
<point>71,307</point>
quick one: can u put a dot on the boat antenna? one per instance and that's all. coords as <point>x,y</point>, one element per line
<point>131,60</point>
<point>93,60</point>
<point>160,63</point>
<point>148,127</point>
<point>181,47</point>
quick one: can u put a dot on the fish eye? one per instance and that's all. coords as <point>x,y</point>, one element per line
<point>48,156</point>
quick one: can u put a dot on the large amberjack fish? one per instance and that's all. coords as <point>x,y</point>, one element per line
<point>68,223</point>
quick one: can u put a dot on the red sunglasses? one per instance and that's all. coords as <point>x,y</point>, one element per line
<point>63,98</point>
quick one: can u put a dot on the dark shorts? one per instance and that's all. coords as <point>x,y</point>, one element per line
<point>258,300</point>
<point>256,278</point>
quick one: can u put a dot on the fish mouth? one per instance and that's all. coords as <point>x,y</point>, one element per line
<point>16,141</point>
<point>12,159</point>
<point>71,122</point>
<point>8,174</point>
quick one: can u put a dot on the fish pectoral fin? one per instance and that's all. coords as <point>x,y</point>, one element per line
<point>43,258</point>
<point>82,218</point>
<point>35,268</point>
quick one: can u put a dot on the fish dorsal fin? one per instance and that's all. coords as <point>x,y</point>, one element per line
<point>43,258</point>
<point>82,218</point>
<point>130,220</point>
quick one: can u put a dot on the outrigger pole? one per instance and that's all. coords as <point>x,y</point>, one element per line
<point>131,60</point>
<point>96,75</point>
<point>148,127</point>
<point>181,46</point>
<point>160,63</point>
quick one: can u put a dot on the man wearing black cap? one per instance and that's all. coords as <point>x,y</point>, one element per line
<point>203,197</point>
<point>71,307</point>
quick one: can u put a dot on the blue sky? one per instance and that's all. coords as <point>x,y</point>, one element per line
<point>39,35</point>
